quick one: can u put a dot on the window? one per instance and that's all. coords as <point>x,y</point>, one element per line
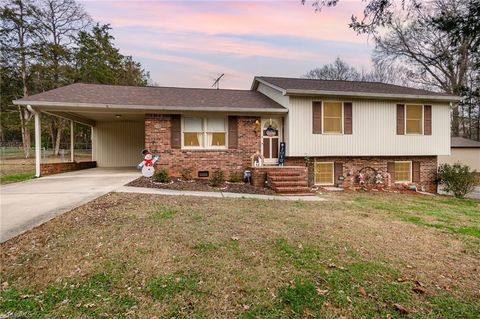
<point>324,173</point>
<point>216,132</point>
<point>192,132</point>
<point>332,117</point>
<point>204,132</point>
<point>414,119</point>
<point>403,172</point>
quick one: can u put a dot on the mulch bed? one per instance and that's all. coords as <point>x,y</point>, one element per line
<point>201,185</point>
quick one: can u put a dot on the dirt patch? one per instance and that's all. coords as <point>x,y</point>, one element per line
<point>201,185</point>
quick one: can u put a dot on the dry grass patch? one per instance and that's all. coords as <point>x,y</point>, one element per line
<point>131,255</point>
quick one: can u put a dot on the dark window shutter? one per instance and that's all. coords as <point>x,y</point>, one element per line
<point>416,172</point>
<point>427,120</point>
<point>347,118</point>
<point>176,131</point>
<point>232,132</point>
<point>317,117</point>
<point>391,170</point>
<point>400,119</point>
<point>337,172</point>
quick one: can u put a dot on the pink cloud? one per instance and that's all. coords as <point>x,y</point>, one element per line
<point>270,18</point>
<point>221,45</point>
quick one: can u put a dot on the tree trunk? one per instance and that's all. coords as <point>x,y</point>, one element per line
<point>56,130</point>
<point>25,115</point>
<point>57,140</point>
<point>25,130</point>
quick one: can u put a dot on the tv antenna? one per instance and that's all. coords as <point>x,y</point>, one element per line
<point>217,81</point>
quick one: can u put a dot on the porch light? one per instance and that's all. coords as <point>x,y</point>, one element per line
<point>118,116</point>
<point>256,126</point>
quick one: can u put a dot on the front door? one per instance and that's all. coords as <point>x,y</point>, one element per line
<point>271,138</point>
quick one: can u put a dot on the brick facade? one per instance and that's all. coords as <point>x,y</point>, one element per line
<point>158,140</point>
<point>353,165</point>
<point>55,168</point>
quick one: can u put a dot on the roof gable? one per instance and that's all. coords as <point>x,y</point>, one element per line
<point>299,86</point>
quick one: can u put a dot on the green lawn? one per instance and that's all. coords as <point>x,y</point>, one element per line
<point>17,177</point>
<point>145,256</point>
<point>460,216</point>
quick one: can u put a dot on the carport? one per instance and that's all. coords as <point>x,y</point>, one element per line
<point>118,132</point>
<point>117,137</point>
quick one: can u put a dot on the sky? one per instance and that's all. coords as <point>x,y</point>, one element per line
<point>190,43</point>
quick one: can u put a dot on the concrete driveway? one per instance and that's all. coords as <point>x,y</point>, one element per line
<point>28,204</point>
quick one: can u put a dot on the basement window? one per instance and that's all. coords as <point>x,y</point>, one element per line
<point>403,172</point>
<point>324,173</point>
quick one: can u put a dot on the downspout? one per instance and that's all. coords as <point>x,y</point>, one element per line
<point>38,139</point>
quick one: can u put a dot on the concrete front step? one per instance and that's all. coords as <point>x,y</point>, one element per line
<point>293,183</point>
<point>287,178</point>
<point>287,173</point>
<point>292,190</point>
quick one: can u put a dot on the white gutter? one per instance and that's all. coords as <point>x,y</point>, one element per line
<point>62,105</point>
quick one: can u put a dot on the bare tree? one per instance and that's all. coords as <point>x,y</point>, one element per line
<point>60,21</point>
<point>341,70</point>
<point>434,62</point>
<point>376,14</point>
<point>338,70</point>
<point>16,39</point>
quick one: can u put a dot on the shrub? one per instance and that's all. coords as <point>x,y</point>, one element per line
<point>161,176</point>
<point>216,178</point>
<point>186,174</point>
<point>457,179</point>
<point>235,177</point>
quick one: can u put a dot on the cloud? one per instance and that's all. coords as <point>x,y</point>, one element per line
<point>286,18</point>
<point>190,42</point>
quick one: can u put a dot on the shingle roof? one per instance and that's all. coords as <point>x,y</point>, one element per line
<point>138,97</point>
<point>345,86</point>
<point>460,142</point>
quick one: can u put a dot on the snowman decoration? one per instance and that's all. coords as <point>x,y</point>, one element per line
<point>148,163</point>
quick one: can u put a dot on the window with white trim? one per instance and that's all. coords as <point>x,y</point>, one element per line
<point>324,173</point>
<point>332,117</point>
<point>204,133</point>
<point>403,171</point>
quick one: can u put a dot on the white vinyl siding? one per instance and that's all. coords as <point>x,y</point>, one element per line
<point>374,131</point>
<point>118,144</point>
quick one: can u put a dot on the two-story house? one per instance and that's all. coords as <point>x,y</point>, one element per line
<point>336,129</point>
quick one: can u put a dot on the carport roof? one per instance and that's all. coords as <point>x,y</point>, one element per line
<point>81,95</point>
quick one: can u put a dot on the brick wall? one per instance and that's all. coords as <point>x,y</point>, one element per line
<point>55,168</point>
<point>158,137</point>
<point>353,165</point>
